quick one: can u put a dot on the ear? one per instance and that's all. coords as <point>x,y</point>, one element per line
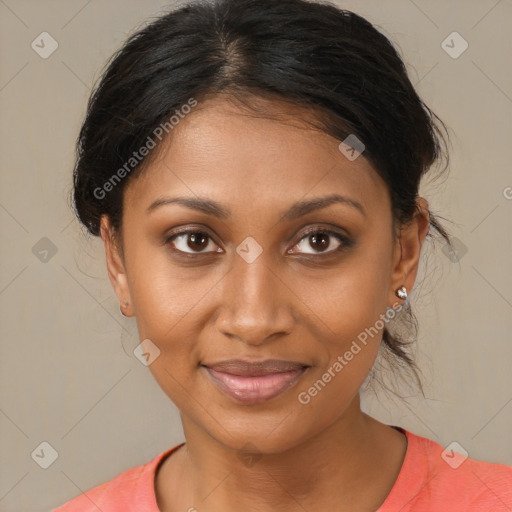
<point>115,266</point>
<point>407,251</point>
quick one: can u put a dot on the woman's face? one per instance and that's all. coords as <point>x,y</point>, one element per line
<point>251,281</point>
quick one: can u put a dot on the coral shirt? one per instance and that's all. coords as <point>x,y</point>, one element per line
<point>431,480</point>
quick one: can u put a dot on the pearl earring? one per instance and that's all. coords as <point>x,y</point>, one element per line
<point>401,293</point>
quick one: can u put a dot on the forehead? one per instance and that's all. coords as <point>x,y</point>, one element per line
<point>237,156</point>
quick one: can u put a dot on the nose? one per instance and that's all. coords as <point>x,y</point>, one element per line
<point>256,303</point>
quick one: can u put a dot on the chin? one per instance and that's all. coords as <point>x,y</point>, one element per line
<point>265,432</point>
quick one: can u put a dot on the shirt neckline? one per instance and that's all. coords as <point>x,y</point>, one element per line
<point>401,487</point>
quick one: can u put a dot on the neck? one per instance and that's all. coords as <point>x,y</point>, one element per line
<point>328,471</point>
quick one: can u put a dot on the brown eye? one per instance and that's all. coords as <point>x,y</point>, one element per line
<point>321,241</point>
<point>191,242</point>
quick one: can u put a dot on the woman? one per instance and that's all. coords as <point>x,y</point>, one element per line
<point>253,167</point>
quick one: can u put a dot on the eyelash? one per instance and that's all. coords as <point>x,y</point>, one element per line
<point>343,239</point>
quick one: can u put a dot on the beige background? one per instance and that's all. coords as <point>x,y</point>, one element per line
<point>67,372</point>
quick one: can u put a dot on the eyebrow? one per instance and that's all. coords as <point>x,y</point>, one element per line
<point>297,210</point>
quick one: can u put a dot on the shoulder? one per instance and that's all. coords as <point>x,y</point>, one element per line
<point>438,478</point>
<point>134,486</point>
<point>115,492</point>
<point>455,465</point>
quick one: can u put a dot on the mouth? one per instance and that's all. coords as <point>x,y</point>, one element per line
<point>255,382</point>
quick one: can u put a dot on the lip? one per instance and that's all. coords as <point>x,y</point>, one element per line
<point>252,382</point>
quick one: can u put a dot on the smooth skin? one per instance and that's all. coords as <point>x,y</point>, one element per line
<point>299,300</point>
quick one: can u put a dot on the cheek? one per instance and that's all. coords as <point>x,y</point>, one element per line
<point>350,298</point>
<point>354,313</point>
<point>165,294</point>
<point>168,300</point>
<point>351,303</point>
